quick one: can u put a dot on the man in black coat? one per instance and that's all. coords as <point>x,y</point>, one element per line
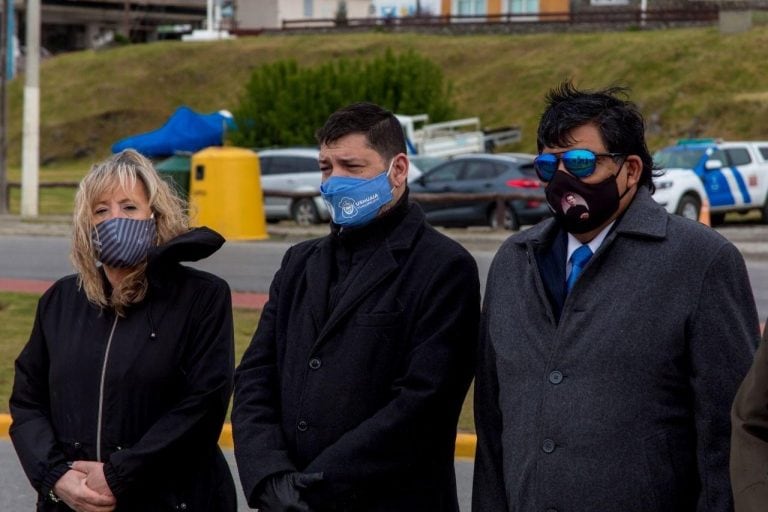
<point>349,394</point>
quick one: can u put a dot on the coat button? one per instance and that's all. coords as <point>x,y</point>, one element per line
<point>548,446</point>
<point>302,426</point>
<point>315,363</point>
<point>77,444</point>
<point>556,377</point>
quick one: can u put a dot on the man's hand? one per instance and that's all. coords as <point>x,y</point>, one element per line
<point>94,472</point>
<point>282,493</point>
<point>72,490</point>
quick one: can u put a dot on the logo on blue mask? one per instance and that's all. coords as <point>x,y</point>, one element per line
<point>356,201</point>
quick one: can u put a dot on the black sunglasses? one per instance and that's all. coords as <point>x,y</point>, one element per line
<point>579,162</point>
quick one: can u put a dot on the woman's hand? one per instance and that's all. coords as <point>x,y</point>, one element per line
<point>94,476</point>
<point>71,488</point>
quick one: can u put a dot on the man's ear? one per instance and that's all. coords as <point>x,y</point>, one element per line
<point>634,165</point>
<point>400,165</point>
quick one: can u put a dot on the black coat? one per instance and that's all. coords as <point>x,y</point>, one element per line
<point>369,394</point>
<point>167,381</point>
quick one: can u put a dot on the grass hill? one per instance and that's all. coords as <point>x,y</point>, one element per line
<point>687,82</point>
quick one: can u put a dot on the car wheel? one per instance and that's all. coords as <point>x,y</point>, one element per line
<point>304,212</point>
<point>511,221</point>
<point>716,219</point>
<point>689,207</point>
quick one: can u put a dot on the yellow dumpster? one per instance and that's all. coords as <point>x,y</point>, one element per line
<point>225,193</point>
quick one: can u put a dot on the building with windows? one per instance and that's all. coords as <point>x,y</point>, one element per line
<point>261,14</point>
<point>495,7</point>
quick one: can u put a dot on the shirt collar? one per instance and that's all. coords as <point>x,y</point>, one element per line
<point>594,244</point>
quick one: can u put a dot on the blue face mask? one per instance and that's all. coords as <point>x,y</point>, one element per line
<point>356,201</point>
<point>122,242</point>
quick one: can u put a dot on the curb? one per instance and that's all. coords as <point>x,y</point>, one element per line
<point>465,443</point>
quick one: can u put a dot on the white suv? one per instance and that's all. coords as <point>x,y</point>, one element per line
<point>292,170</point>
<point>297,170</point>
<point>732,176</point>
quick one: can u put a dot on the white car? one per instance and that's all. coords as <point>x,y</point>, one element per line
<point>297,170</point>
<point>731,176</point>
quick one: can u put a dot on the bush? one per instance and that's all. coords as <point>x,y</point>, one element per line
<point>284,104</point>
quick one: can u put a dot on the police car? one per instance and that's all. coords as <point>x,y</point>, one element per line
<point>731,176</point>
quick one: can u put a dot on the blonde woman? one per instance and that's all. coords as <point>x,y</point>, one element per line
<point>120,394</point>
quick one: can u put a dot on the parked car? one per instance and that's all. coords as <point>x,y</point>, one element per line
<point>297,170</point>
<point>731,175</point>
<point>483,173</point>
<point>424,163</point>
<point>292,170</point>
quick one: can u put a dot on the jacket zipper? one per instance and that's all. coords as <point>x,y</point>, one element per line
<point>101,391</point>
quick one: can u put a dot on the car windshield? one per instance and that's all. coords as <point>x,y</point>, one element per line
<point>677,158</point>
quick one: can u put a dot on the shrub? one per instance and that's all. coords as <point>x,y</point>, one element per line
<point>284,104</point>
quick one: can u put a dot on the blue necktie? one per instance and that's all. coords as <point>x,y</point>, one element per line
<point>579,260</point>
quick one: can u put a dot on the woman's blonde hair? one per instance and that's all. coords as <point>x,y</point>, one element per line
<point>121,170</point>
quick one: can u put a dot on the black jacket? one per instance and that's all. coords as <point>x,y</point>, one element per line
<point>167,374</point>
<point>366,389</point>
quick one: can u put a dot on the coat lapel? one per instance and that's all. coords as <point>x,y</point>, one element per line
<point>378,267</point>
<point>316,284</point>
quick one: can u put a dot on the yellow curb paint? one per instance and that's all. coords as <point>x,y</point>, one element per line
<point>465,443</point>
<point>225,439</point>
<point>5,424</point>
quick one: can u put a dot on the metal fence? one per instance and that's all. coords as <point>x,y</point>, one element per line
<point>500,199</point>
<point>706,12</point>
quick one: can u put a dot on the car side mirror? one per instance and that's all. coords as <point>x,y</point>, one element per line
<point>711,165</point>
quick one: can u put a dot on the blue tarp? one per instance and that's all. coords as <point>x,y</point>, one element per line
<point>185,130</point>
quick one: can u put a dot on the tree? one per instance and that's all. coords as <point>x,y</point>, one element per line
<point>284,104</point>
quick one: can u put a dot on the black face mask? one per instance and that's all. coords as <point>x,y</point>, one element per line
<point>580,207</point>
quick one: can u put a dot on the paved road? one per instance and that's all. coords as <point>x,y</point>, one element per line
<point>16,494</point>
<point>250,266</point>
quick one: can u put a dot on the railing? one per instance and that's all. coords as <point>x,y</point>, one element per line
<point>43,184</point>
<point>447,197</point>
<point>702,13</point>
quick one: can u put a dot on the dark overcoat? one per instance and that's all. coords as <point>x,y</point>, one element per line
<point>623,404</point>
<point>145,393</point>
<point>749,437</point>
<point>370,393</point>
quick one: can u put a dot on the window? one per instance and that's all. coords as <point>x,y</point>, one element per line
<point>469,6</point>
<point>449,172</point>
<point>288,165</point>
<point>308,8</point>
<point>477,170</point>
<point>738,156</point>
<point>763,152</point>
<point>523,6</point>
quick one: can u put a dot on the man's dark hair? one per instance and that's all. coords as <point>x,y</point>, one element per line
<point>381,128</point>
<point>617,119</point>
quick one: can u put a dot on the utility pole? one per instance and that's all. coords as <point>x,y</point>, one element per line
<point>30,146</point>
<point>4,36</point>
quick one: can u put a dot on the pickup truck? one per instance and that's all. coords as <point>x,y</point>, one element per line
<point>731,175</point>
<point>451,138</point>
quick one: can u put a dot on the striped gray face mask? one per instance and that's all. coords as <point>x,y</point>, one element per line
<point>123,242</point>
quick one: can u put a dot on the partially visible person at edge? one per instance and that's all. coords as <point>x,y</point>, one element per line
<point>611,345</point>
<point>120,394</point>
<point>348,397</point>
<point>749,436</point>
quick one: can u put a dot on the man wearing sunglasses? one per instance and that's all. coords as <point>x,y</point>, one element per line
<point>612,343</point>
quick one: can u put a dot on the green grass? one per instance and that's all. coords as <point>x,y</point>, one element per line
<point>17,312</point>
<point>693,81</point>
